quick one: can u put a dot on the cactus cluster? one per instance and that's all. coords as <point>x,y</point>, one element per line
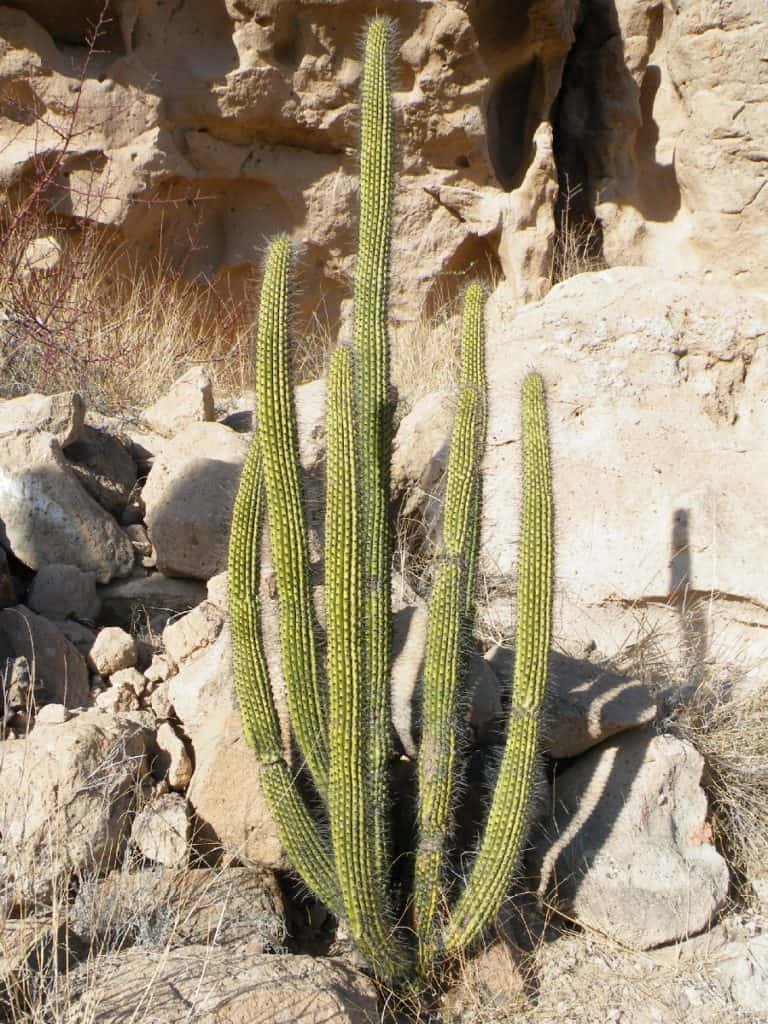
<point>339,842</point>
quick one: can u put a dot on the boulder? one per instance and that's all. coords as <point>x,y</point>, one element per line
<point>163,908</point>
<point>112,650</point>
<point>198,629</point>
<point>59,672</point>
<point>234,818</point>
<point>61,415</point>
<point>628,850</point>
<point>189,400</point>
<point>742,970</point>
<point>656,390</point>
<point>586,703</point>
<point>102,463</point>
<point>47,517</point>
<point>66,792</point>
<point>228,985</point>
<point>188,497</point>
<point>161,831</point>
<point>152,599</point>
<point>64,592</point>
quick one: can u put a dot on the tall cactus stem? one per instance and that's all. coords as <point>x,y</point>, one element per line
<point>351,796</point>
<point>501,844</point>
<point>288,538</point>
<point>447,631</point>
<point>371,341</point>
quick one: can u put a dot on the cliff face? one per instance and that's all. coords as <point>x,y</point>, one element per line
<point>217,123</point>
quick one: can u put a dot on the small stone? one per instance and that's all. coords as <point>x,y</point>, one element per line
<point>138,536</point>
<point>190,400</point>
<point>65,592</point>
<point>118,698</point>
<point>160,831</point>
<point>218,593</point>
<point>129,678</point>
<point>173,761</point>
<point>112,650</point>
<point>192,632</point>
<point>160,669</point>
<point>53,714</point>
<point>160,701</point>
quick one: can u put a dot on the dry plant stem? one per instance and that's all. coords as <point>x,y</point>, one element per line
<point>287,531</point>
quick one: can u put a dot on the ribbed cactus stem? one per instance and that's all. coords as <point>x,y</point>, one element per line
<point>351,795</point>
<point>278,433</point>
<point>447,631</point>
<point>298,832</point>
<point>371,340</point>
<point>494,866</point>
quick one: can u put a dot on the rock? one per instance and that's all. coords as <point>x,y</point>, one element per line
<point>233,818</point>
<point>53,714</point>
<point>628,851</point>
<point>129,679</point>
<point>190,400</point>
<point>239,986</point>
<point>188,497</point>
<point>493,980</point>
<point>65,794</point>
<point>586,703</point>
<point>742,969</point>
<point>198,629</point>
<point>173,761</point>
<point>103,465</point>
<point>61,415</point>
<point>7,588</point>
<point>154,598</point>
<point>161,908</point>
<point>160,702</point>
<point>58,669</point>
<point>29,950</point>
<point>64,592</point>
<point>160,668</point>
<point>421,444</point>
<point>79,635</point>
<point>19,695</point>
<point>120,696</point>
<point>42,255</point>
<point>218,595</point>
<point>161,831</point>
<point>138,536</point>
<point>641,371</point>
<point>112,650</point>
<point>47,516</point>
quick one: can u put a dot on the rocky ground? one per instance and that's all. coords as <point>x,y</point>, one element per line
<point>140,873</point>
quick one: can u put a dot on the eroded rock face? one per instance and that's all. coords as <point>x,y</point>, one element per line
<point>656,392</point>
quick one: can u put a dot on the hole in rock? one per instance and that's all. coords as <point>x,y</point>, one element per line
<point>515,109</point>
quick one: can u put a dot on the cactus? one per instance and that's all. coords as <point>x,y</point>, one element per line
<point>339,842</point>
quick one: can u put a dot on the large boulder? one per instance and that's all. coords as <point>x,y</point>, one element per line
<point>59,671</point>
<point>627,849</point>
<point>657,388</point>
<point>228,985</point>
<point>234,818</point>
<point>188,498</point>
<point>66,795</point>
<point>46,515</point>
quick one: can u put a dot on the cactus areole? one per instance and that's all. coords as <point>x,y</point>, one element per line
<point>339,842</point>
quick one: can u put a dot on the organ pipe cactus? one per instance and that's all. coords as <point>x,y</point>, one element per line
<point>339,842</point>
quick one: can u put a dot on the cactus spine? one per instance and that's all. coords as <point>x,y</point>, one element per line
<point>341,847</point>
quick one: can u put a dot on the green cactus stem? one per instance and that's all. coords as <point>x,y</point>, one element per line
<point>492,871</point>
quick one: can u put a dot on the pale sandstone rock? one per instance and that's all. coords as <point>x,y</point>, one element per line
<point>586,703</point>
<point>160,668</point>
<point>119,696</point>
<point>199,628</point>
<point>41,255</point>
<point>65,794</point>
<point>61,415</point>
<point>216,589</point>
<point>235,818</point>
<point>161,831</point>
<point>112,650</point>
<point>188,497</point>
<point>238,986</point>
<point>189,400</point>
<point>173,762</point>
<point>651,381</point>
<point>58,670</point>
<point>169,908</point>
<point>49,518</point>
<point>53,714</point>
<point>129,679</point>
<point>628,850</point>
<point>64,592</point>
<point>160,703</point>
<point>743,971</point>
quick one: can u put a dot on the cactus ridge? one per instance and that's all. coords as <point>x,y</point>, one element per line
<point>342,721</point>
